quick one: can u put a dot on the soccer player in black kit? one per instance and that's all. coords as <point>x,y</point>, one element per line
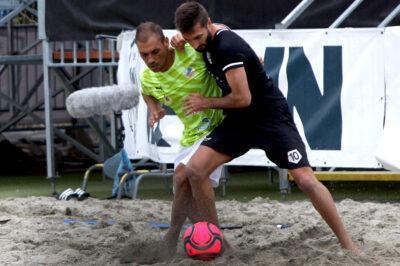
<point>257,116</point>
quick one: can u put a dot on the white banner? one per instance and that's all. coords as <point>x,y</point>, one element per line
<point>335,84</point>
<point>392,77</point>
<point>389,143</point>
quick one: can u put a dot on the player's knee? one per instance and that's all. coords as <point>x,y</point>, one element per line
<point>180,180</point>
<point>194,174</point>
<point>306,181</point>
<point>306,184</point>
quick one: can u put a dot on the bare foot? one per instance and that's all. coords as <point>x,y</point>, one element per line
<point>170,241</point>
<point>355,249</point>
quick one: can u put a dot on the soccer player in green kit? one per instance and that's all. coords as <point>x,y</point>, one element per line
<point>171,75</point>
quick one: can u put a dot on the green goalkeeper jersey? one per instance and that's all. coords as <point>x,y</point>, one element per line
<point>188,74</point>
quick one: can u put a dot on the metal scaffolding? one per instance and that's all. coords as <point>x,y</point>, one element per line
<point>100,54</point>
<point>66,63</point>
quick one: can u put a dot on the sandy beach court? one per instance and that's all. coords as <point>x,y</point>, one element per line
<point>46,231</point>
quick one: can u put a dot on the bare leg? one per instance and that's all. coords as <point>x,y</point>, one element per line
<point>180,207</point>
<point>198,170</point>
<point>183,206</point>
<point>323,202</point>
<point>193,215</point>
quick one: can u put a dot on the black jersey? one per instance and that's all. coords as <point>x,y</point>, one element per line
<point>228,50</point>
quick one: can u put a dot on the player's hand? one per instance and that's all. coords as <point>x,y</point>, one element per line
<point>261,60</point>
<point>178,42</point>
<point>156,116</point>
<point>194,103</point>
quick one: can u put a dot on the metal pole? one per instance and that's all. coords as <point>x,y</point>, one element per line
<point>20,59</point>
<point>11,76</point>
<point>390,17</point>
<point>51,173</point>
<point>113,119</point>
<point>345,14</point>
<point>50,160</point>
<point>41,17</point>
<point>102,122</point>
<point>284,185</point>
<point>296,12</point>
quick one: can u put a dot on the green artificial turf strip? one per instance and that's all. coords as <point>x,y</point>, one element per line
<point>241,186</point>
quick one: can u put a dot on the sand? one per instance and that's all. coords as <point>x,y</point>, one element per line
<point>34,231</point>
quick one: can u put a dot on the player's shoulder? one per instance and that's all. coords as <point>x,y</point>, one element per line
<point>187,52</point>
<point>145,73</point>
<point>148,77</point>
<point>227,40</point>
<point>226,35</point>
<point>188,57</point>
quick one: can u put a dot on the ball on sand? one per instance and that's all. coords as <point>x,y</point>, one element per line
<point>203,241</point>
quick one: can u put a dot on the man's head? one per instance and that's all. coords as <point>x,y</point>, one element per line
<point>153,46</point>
<point>192,20</point>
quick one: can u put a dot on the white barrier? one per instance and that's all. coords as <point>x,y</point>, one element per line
<point>341,71</point>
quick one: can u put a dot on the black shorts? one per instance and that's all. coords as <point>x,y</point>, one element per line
<point>277,135</point>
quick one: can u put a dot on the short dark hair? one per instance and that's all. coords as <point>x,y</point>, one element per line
<point>189,14</point>
<point>146,29</point>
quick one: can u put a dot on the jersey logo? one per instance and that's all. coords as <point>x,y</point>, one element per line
<point>294,156</point>
<point>208,55</point>
<point>189,72</point>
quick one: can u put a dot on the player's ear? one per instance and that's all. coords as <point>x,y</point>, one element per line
<point>209,23</point>
<point>166,41</point>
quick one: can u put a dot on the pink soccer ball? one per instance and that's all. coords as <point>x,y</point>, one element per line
<point>203,241</point>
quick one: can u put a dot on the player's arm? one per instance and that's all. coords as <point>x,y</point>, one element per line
<point>155,109</point>
<point>239,97</point>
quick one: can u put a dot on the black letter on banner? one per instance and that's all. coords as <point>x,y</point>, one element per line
<point>155,135</point>
<point>320,114</point>
<point>273,58</point>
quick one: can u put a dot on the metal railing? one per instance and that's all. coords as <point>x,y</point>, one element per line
<point>101,52</point>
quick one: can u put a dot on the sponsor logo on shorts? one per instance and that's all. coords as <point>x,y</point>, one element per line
<point>294,156</point>
<point>207,139</point>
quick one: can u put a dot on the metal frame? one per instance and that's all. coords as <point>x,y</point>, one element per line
<point>56,70</point>
<point>163,172</point>
<point>24,4</point>
<point>294,14</point>
<point>19,58</point>
<point>52,66</point>
<point>390,17</point>
<point>345,14</point>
